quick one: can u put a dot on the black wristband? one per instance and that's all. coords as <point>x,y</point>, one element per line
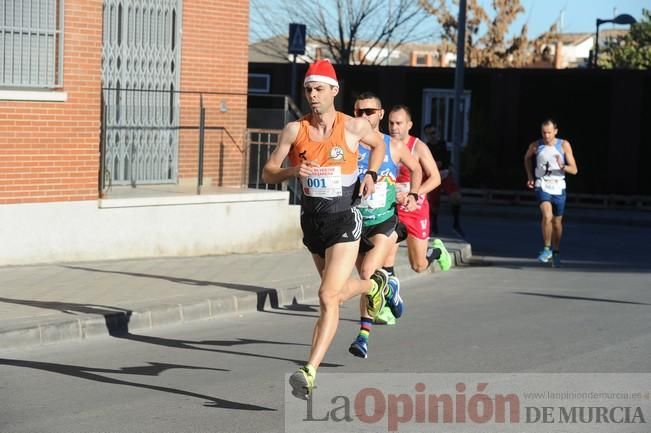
<point>414,195</point>
<point>373,175</point>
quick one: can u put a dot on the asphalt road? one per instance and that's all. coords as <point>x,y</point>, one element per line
<point>503,314</point>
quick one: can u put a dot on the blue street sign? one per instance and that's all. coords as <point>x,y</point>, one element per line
<point>296,39</point>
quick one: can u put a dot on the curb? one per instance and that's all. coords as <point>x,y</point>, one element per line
<point>190,310</point>
<point>148,317</point>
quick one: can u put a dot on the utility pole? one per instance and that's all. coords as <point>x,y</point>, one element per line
<point>296,45</point>
<point>459,100</point>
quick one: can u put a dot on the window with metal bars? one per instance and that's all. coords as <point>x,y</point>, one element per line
<point>31,44</point>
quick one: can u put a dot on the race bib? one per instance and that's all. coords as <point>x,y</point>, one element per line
<point>323,182</point>
<point>552,186</point>
<point>376,200</point>
<point>403,186</point>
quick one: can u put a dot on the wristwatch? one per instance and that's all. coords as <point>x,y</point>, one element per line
<point>373,175</point>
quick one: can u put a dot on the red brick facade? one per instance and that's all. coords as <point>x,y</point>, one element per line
<point>49,151</point>
<point>214,58</point>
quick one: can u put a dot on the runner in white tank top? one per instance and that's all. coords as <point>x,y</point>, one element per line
<point>554,159</point>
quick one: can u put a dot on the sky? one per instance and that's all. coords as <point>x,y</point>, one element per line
<point>579,15</point>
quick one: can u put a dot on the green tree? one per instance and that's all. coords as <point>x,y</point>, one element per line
<point>632,51</point>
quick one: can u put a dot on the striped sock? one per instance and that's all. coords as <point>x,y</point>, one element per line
<point>365,325</point>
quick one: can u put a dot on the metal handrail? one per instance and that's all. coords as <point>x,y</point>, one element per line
<point>201,127</point>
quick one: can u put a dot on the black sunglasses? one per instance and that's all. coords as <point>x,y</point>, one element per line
<point>367,111</point>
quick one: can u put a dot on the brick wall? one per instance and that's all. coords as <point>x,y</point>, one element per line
<point>214,58</point>
<point>49,150</point>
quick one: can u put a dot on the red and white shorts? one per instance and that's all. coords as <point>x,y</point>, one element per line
<point>417,222</point>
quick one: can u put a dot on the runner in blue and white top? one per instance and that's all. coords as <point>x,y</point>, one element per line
<point>379,206</point>
<point>554,159</point>
<point>379,216</point>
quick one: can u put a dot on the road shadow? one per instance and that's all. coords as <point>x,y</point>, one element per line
<point>263,293</point>
<point>580,298</point>
<point>117,325</point>
<point>116,319</point>
<point>198,345</point>
<point>296,306</point>
<point>505,261</point>
<point>153,369</point>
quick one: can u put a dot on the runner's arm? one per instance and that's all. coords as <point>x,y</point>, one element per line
<point>570,166</point>
<point>375,141</point>
<point>531,151</point>
<point>273,172</point>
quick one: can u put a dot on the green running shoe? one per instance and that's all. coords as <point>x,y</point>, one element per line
<point>445,261</point>
<point>302,383</point>
<point>375,298</point>
<point>385,317</point>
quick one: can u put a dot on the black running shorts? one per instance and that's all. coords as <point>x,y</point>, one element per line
<point>321,231</point>
<point>385,228</point>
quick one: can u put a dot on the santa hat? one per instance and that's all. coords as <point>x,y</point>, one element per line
<point>321,71</point>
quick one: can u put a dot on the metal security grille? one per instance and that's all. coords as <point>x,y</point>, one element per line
<point>140,73</point>
<point>31,43</point>
<point>261,143</point>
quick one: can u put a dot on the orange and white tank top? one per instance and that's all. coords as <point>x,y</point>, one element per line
<point>333,186</point>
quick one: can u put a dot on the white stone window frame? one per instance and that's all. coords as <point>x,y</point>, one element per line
<point>31,50</point>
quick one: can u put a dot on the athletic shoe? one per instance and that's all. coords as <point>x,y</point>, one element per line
<point>375,298</point>
<point>394,301</point>
<point>545,255</point>
<point>445,260</point>
<point>385,317</point>
<point>359,347</point>
<point>302,383</point>
<point>556,260</point>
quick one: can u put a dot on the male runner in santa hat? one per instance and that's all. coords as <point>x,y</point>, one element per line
<point>322,152</point>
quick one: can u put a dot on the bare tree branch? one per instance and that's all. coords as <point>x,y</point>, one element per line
<point>350,31</point>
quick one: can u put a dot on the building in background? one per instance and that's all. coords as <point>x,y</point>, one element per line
<point>110,93</point>
<point>571,51</point>
<point>576,47</point>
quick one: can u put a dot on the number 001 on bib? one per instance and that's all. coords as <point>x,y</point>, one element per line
<point>323,182</point>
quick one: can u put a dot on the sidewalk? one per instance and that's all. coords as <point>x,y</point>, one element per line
<point>53,303</point>
<point>627,217</point>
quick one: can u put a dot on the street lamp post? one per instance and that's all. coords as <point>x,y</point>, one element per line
<point>619,19</point>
